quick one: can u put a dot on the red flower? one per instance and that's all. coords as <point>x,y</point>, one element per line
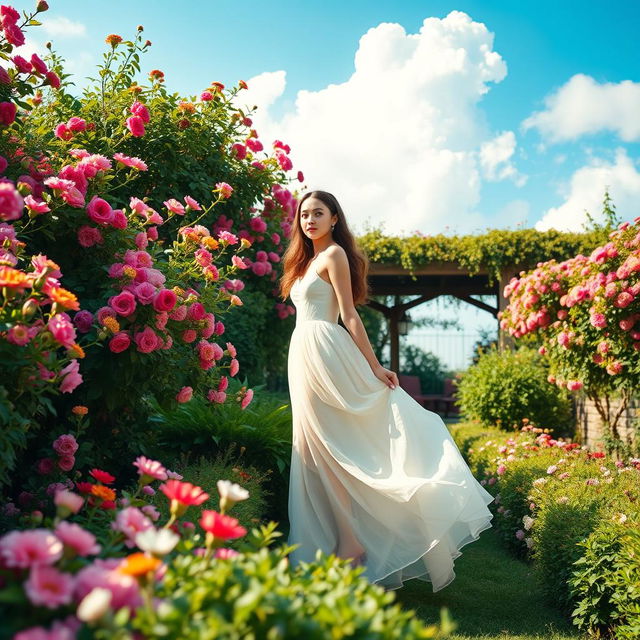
<point>84,487</point>
<point>183,495</point>
<point>221,526</point>
<point>102,476</point>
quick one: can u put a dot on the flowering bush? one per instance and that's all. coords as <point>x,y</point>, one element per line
<point>551,495</point>
<point>99,184</point>
<point>103,565</point>
<point>505,387</point>
<point>586,311</point>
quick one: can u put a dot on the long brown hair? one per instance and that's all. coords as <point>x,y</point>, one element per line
<point>300,250</point>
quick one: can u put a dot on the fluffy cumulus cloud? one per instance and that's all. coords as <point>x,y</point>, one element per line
<point>586,189</point>
<point>583,106</point>
<point>403,142</point>
<point>61,26</point>
<point>495,158</point>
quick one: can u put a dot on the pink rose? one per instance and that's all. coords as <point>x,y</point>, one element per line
<point>254,144</point>
<point>140,110</point>
<point>225,189</point>
<point>36,206</point>
<point>196,312</point>
<point>189,335</point>
<point>65,445</point>
<point>135,124</point>
<point>7,113</point>
<point>66,463</point>
<point>88,236</point>
<point>184,395</point>
<point>71,377</point>
<point>62,329</point>
<point>145,292</point>
<point>239,150</point>
<point>44,466</point>
<point>165,300</point>
<point>120,342</point>
<point>76,124</point>
<point>174,206</point>
<point>146,340</point>
<point>62,131</point>
<point>205,96</point>
<point>38,64</point>
<point>11,202</point>
<point>234,367</point>
<point>22,65</point>
<point>123,304</point>
<point>100,211</point>
<point>119,220</point>
<point>74,537</point>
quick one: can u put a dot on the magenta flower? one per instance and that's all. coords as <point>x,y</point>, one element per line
<point>79,540</point>
<point>129,161</point>
<point>120,342</point>
<point>135,124</point>
<point>65,445</point>
<point>48,587</point>
<point>24,549</point>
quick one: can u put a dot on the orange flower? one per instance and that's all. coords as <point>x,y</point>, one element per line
<point>64,298</point>
<point>13,278</point>
<point>187,107</point>
<point>210,243</point>
<point>112,324</point>
<point>80,410</point>
<point>102,492</point>
<point>243,84</point>
<point>217,86</point>
<point>76,351</point>
<point>139,564</point>
<point>113,39</point>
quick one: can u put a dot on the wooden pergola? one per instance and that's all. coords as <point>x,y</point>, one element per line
<point>431,281</point>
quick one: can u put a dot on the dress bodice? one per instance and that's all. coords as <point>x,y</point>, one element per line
<point>314,298</point>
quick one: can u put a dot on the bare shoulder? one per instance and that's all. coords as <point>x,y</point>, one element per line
<point>336,254</point>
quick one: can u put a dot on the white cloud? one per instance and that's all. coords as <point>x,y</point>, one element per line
<point>586,190</point>
<point>495,159</point>
<point>582,106</point>
<point>61,26</point>
<point>400,141</point>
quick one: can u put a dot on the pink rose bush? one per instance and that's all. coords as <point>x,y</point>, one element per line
<point>586,311</point>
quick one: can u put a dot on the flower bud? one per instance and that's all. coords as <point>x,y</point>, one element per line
<point>29,308</point>
<point>42,6</point>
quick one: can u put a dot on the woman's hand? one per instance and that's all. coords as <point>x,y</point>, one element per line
<point>388,377</point>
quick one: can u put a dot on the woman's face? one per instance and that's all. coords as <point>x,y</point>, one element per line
<point>315,218</point>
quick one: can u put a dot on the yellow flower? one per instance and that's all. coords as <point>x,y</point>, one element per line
<point>210,243</point>
<point>129,271</point>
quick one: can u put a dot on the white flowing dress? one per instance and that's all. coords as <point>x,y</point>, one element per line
<point>412,500</point>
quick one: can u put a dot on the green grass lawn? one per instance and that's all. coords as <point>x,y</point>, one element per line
<point>493,597</point>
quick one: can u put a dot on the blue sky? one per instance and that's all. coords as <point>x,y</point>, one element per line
<point>542,46</point>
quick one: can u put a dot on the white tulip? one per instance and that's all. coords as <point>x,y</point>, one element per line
<point>94,605</point>
<point>157,542</point>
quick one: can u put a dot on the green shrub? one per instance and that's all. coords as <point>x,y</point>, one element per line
<point>261,432</point>
<point>258,595</point>
<point>505,387</point>
<point>606,581</point>
<point>205,472</point>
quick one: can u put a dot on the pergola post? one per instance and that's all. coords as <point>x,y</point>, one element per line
<point>394,337</point>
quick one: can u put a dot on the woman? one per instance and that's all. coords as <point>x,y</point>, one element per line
<point>375,477</point>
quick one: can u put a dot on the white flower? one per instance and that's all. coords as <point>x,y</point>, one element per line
<point>562,500</point>
<point>620,518</point>
<point>539,481</point>
<point>94,605</point>
<point>529,542</point>
<point>528,522</point>
<point>157,542</point>
<point>231,492</point>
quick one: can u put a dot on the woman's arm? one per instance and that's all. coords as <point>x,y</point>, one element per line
<point>340,276</point>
